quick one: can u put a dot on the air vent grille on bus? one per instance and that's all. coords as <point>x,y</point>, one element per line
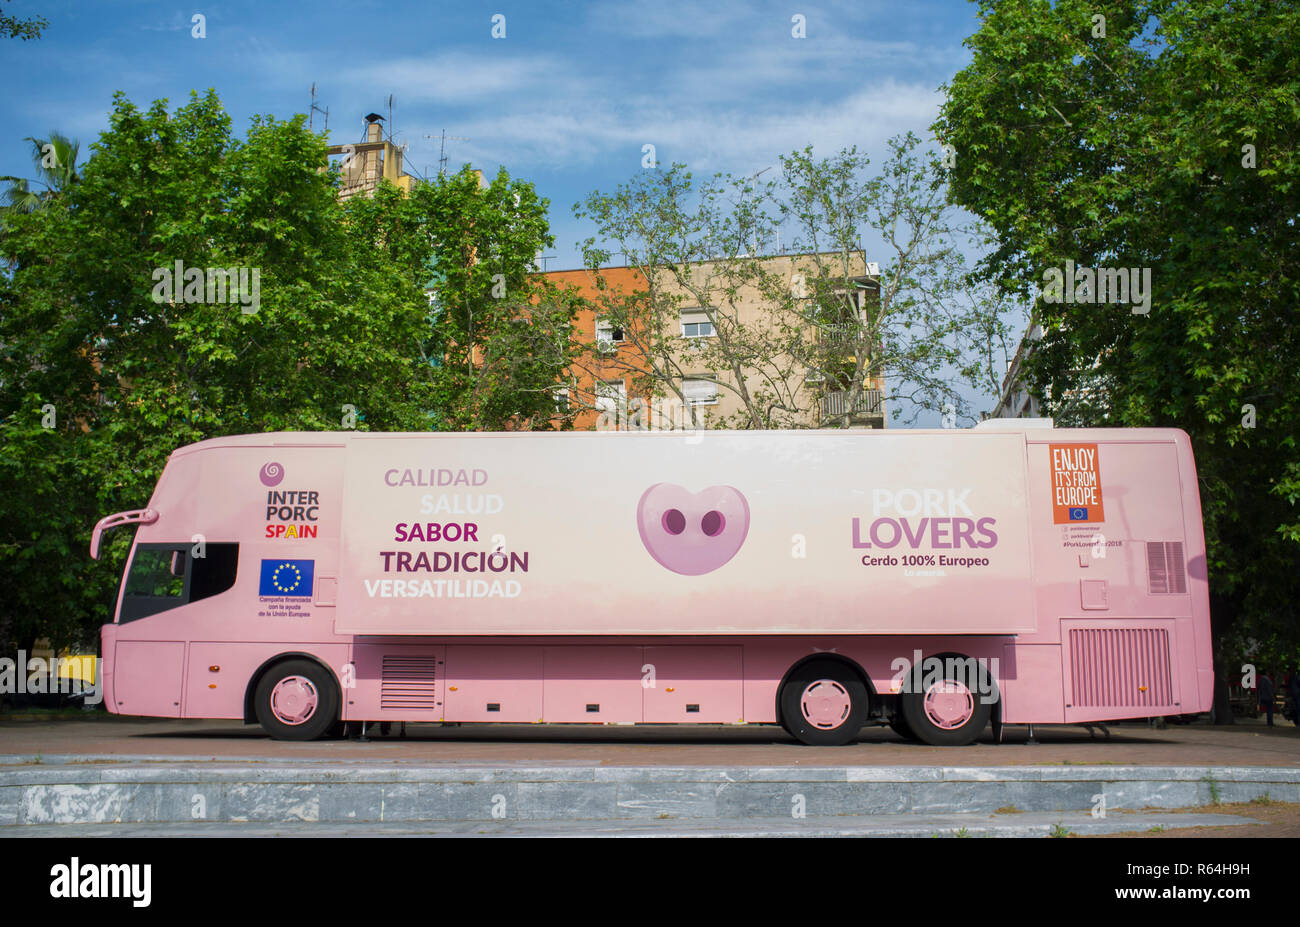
<point>1120,668</point>
<point>1166,571</point>
<point>409,682</point>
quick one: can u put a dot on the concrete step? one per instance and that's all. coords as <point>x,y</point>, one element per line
<point>93,790</point>
<point>1028,824</point>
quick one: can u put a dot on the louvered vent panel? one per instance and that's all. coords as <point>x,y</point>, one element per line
<point>409,682</point>
<point>1166,570</point>
<point>1120,668</point>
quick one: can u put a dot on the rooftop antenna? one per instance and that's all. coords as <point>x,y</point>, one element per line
<point>390,117</point>
<point>442,149</point>
<point>316,109</point>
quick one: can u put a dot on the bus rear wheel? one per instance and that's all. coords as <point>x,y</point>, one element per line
<point>297,700</point>
<point>824,704</point>
<point>946,712</point>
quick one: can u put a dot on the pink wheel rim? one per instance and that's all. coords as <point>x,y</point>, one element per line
<point>949,704</point>
<point>294,700</point>
<point>825,704</point>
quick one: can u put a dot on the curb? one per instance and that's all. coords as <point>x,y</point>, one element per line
<point>78,792</point>
<point>1029,824</point>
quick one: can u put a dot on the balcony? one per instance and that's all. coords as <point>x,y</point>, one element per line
<point>869,404</point>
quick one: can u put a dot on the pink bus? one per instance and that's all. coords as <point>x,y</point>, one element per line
<point>934,581</point>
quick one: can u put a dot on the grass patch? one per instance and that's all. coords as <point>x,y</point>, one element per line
<point>1216,794</point>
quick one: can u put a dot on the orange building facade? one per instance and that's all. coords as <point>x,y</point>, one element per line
<point>601,389</point>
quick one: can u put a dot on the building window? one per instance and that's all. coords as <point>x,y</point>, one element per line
<point>562,400</point>
<point>611,395</point>
<point>695,324</point>
<point>607,336</point>
<point>700,391</point>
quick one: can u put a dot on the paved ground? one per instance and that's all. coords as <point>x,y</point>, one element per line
<point>1264,819</point>
<point>1028,824</point>
<point>1249,743</point>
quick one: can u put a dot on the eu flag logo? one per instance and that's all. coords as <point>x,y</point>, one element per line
<point>1078,514</point>
<point>286,577</point>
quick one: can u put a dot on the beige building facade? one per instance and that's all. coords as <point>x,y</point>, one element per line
<point>741,356</point>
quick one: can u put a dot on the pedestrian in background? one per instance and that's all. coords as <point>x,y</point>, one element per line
<point>1266,695</point>
<point>1294,691</point>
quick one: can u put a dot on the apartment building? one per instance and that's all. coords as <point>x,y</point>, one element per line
<point>667,363</point>
<point>1087,404</point>
<point>1016,401</point>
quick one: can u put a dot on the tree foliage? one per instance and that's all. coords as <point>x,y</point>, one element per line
<point>55,163</point>
<point>104,375</point>
<point>12,27</point>
<point>788,329</point>
<point>1160,134</point>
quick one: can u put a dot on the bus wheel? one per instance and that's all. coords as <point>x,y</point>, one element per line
<point>824,703</point>
<point>297,700</point>
<point>946,713</point>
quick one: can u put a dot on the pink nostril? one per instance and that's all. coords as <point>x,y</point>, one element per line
<point>712,524</point>
<point>674,521</point>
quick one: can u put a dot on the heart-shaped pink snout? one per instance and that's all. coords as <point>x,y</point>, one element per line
<point>692,533</point>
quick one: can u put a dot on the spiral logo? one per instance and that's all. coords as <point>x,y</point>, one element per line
<point>272,474</point>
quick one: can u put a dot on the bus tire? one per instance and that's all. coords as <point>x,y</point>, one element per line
<point>824,703</point>
<point>946,713</point>
<point>297,700</point>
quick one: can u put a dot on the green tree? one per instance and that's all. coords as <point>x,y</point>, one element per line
<point>105,372</point>
<point>1161,134</point>
<point>11,27</point>
<point>55,159</point>
<point>788,332</point>
<point>499,336</point>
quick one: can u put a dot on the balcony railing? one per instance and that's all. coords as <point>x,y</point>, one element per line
<point>868,402</point>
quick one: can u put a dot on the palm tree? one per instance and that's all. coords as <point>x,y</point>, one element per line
<point>55,159</point>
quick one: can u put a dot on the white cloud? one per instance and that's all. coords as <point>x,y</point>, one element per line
<point>706,137</point>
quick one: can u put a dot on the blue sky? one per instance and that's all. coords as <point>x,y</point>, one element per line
<point>566,100</point>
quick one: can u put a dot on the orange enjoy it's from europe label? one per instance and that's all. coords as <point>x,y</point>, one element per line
<point>1076,484</point>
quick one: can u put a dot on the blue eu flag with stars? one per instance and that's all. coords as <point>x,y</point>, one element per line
<point>286,577</point>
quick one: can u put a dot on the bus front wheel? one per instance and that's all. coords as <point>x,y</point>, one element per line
<point>824,703</point>
<point>297,700</point>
